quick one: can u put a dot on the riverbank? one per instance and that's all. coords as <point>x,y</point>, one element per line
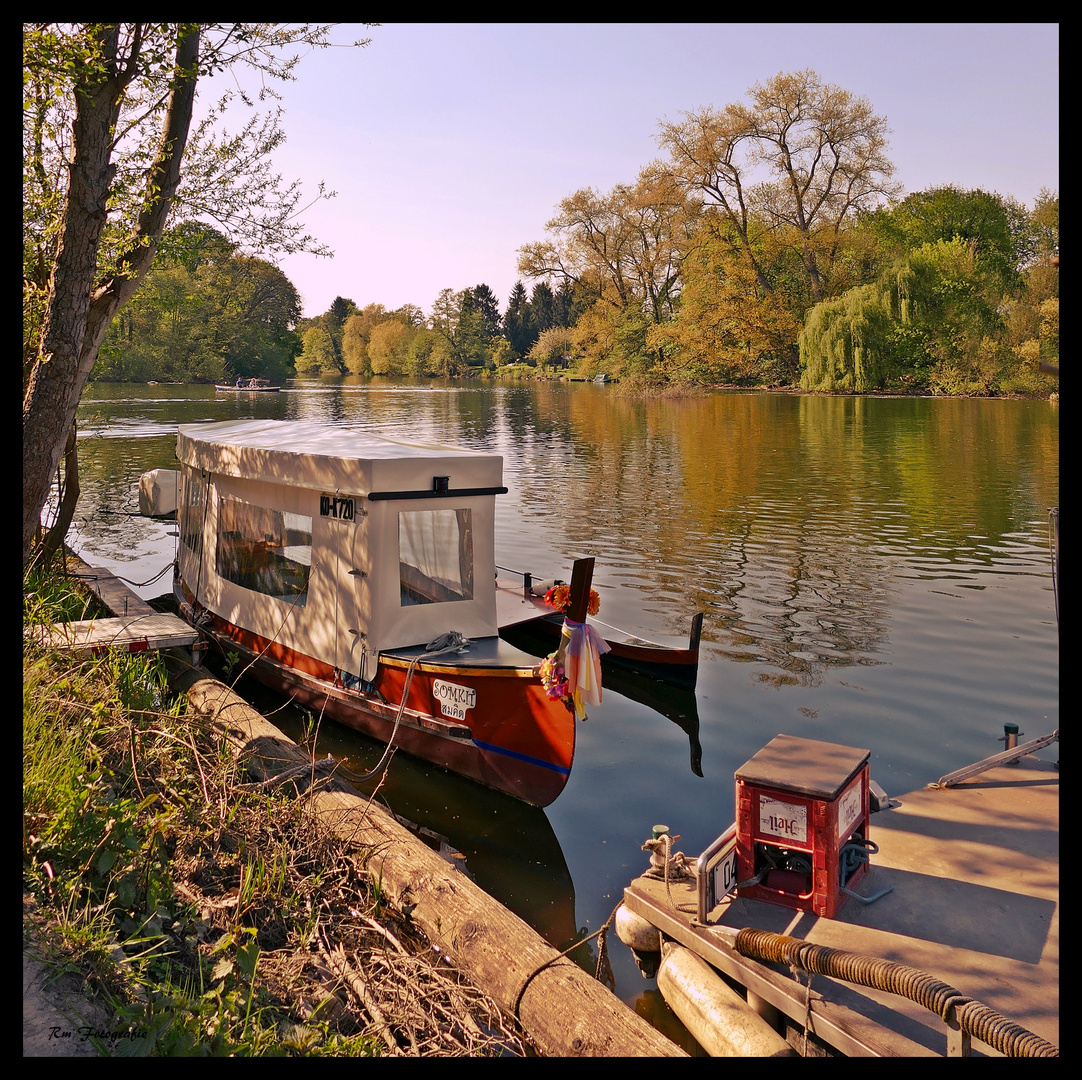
<point>308,920</point>
<point>171,906</point>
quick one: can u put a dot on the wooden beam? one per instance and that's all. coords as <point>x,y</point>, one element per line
<point>582,574</point>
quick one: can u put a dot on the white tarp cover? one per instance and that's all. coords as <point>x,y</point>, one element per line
<point>328,458</point>
<point>357,604</point>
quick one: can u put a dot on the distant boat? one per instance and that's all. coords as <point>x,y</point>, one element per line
<point>602,378</point>
<point>263,385</point>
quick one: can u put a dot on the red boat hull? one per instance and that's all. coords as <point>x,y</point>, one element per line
<point>486,717</point>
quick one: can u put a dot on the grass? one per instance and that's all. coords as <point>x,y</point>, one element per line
<point>209,919</point>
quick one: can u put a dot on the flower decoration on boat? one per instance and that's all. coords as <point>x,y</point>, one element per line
<point>553,677</point>
<point>559,597</point>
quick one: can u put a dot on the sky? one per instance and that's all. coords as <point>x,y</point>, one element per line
<point>451,145</point>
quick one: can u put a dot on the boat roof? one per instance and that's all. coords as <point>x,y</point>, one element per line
<point>312,455</point>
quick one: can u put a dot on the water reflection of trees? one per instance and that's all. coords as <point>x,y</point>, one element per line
<point>784,518</point>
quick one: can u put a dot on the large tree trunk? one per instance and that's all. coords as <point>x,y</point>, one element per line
<point>78,313</point>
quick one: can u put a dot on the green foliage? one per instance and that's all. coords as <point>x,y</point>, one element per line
<point>205,313</point>
<point>317,355</point>
<point>992,227</point>
<point>929,322</point>
<point>187,900</point>
<point>843,343</point>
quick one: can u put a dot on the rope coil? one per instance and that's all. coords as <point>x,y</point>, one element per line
<point>451,642</point>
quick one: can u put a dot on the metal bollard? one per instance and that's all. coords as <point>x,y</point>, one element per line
<point>1010,739</point>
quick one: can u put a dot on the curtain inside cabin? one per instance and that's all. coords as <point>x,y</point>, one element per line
<point>435,551</point>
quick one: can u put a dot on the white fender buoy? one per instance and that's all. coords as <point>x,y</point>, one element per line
<point>719,1019</point>
<point>158,492</point>
<point>635,932</point>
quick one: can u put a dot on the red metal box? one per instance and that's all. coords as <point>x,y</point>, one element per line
<point>802,823</point>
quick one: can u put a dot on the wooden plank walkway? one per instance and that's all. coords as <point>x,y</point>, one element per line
<point>132,633</point>
<point>974,873</point>
<point>136,626</point>
<point>112,592</point>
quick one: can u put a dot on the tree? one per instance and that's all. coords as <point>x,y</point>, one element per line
<point>542,307</point>
<point>728,329</point>
<point>488,308</point>
<point>456,323</point>
<point>995,228</point>
<point>99,187</point>
<point>516,322</point>
<point>823,158</point>
<point>318,356</point>
<point>622,250</point>
<point>388,348</point>
<point>622,247</point>
<point>553,347</point>
<point>355,338</point>
<point>929,321</point>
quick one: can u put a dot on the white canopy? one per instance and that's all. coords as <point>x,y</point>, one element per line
<point>311,455</point>
<point>402,535</point>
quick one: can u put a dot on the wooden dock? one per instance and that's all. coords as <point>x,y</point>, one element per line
<point>136,626</point>
<point>131,633</point>
<point>974,874</point>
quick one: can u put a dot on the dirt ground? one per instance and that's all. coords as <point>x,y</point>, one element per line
<point>58,1018</point>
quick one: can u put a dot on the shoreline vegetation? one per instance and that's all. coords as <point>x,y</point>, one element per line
<point>654,388</point>
<point>186,911</point>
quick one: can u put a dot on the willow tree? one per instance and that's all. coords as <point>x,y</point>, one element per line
<point>845,342</point>
<point>108,156</point>
<point>927,322</point>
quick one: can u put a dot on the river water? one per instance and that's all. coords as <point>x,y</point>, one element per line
<point>874,572</point>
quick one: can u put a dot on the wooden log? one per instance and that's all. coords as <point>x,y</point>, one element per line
<point>563,1009</point>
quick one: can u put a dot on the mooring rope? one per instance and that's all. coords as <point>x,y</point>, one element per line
<point>668,866</point>
<point>451,642</point>
<point>602,970</point>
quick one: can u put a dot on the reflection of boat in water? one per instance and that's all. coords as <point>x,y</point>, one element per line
<point>673,702</point>
<point>522,606</point>
<point>327,558</point>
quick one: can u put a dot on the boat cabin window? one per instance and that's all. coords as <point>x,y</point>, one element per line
<point>435,553</point>
<point>193,502</point>
<point>267,551</point>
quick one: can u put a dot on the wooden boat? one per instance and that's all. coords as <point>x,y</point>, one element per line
<point>357,575</point>
<point>249,385</point>
<point>523,611</point>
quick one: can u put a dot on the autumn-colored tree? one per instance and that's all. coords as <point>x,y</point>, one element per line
<point>728,329</point>
<point>621,250</point>
<point>388,347</point>
<point>801,154</point>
